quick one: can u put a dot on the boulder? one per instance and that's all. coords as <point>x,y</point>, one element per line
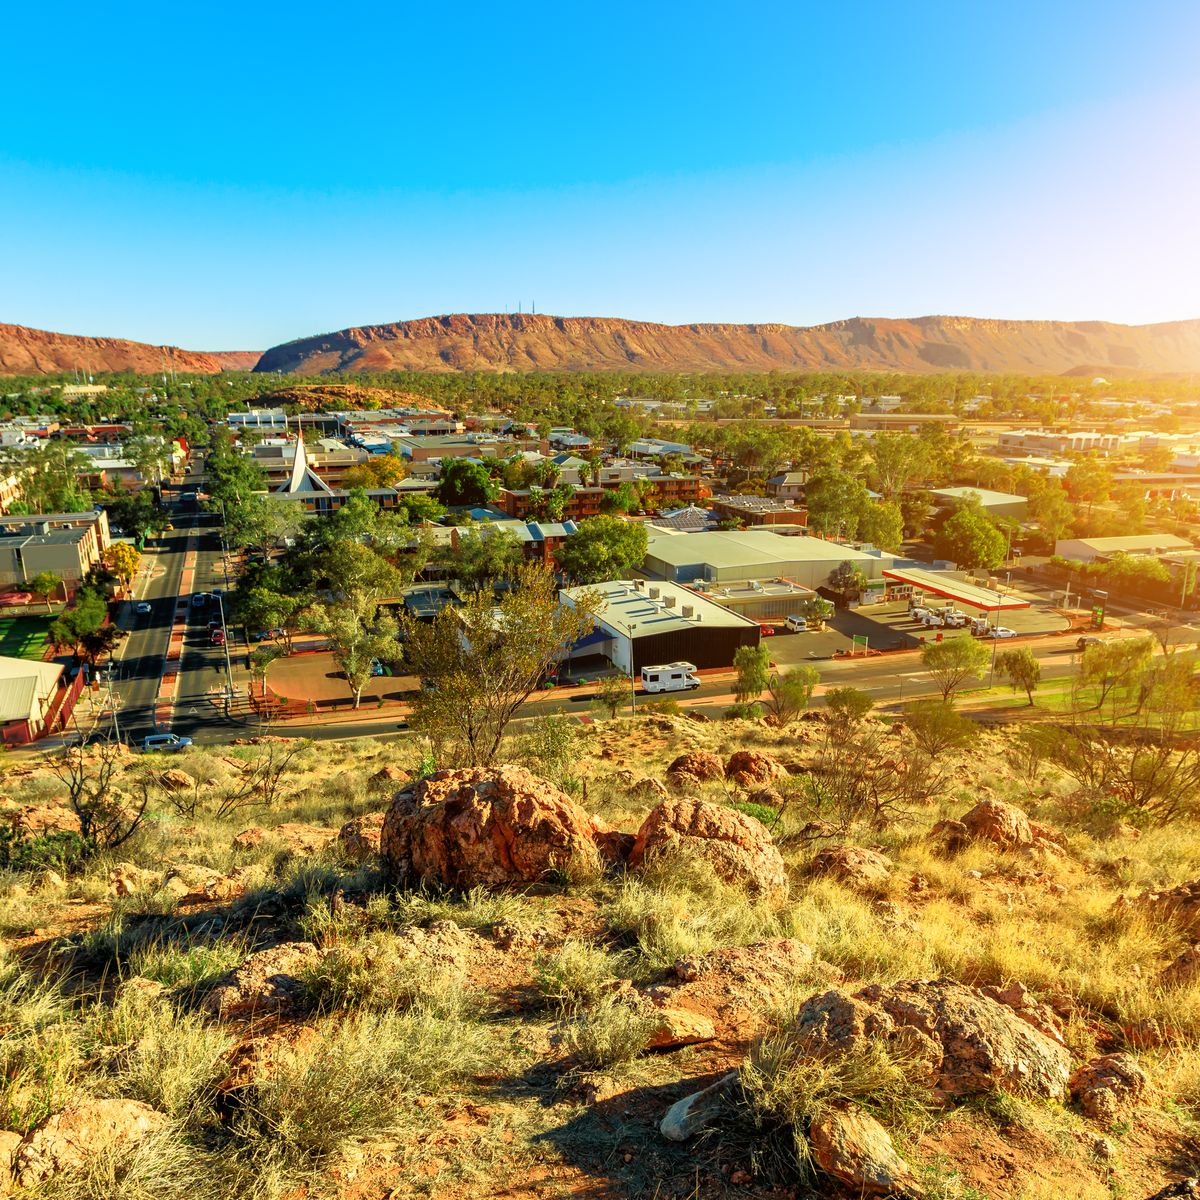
<point>1107,1087</point>
<point>689,1116</point>
<point>125,879</point>
<point>694,767</point>
<point>852,1147</point>
<point>66,1140</point>
<point>854,866</point>
<point>269,981</point>
<point>1178,905</point>
<point>737,847</point>
<point>358,839</point>
<point>485,827</point>
<point>297,837</point>
<point>647,788</point>
<point>9,1144</point>
<point>34,820</point>
<point>1041,1016</point>
<point>388,777</point>
<point>175,780</point>
<point>1185,1189</point>
<point>1184,970</point>
<point>1007,827</point>
<point>753,768</point>
<point>679,1027</point>
<point>969,1043</point>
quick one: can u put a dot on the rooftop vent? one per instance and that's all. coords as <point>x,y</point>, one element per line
<point>668,601</point>
<point>654,593</point>
<point>687,611</point>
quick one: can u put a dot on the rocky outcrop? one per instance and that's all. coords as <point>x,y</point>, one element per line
<point>968,1043</point>
<point>854,866</point>
<point>175,780</point>
<point>485,827</point>
<point>852,1147</point>
<point>34,820</point>
<point>126,879</point>
<point>1184,970</point>
<point>695,767</point>
<point>1178,905</point>
<point>359,839</point>
<point>1106,1088</point>
<point>66,1141</point>
<point>269,981</point>
<point>737,847</point>
<point>297,837</point>
<point>1005,826</point>
<point>753,768</point>
<point>538,342</point>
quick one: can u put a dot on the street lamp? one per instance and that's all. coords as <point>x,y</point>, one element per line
<point>225,644</point>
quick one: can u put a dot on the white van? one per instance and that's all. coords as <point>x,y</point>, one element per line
<point>670,677</point>
<point>797,624</point>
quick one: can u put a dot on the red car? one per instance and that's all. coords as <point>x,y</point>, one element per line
<point>767,630</point>
<point>218,637</point>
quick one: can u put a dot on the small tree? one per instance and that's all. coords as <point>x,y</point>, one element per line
<point>789,693</point>
<point>847,706</point>
<point>359,632</point>
<point>1021,668</point>
<point>612,693</point>
<point>45,584</point>
<point>122,560</point>
<point>816,610</point>
<point>753,665</point>
<point>935,727</point>
<point>953,661</point>
<point>480,662</point>
<point>107,819</point>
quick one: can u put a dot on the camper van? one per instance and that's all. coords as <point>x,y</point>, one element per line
<point>671,677</point>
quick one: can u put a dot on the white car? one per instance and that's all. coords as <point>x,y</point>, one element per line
<point>142,608</point>
<point>933,620</point>
<point>1002,631</point>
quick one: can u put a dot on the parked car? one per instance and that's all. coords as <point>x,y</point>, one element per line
<point>142,608</point>
<point>933,620</point>
<point>217,637</point>
<point>919,614</point>
<point>377,668</point>
<point>767,630</point>
<point>266,635</point>
<point>1001,631</point>
<point>1087,640</point>
<point>165,741</point>
<point>796,624</point>
<point>956,620</point>
<point>199,600</point>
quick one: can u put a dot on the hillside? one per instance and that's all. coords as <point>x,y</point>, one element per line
<point>25,351</point>
<point>535,342</point>
<point>339,397</point>
<point>308,974</point>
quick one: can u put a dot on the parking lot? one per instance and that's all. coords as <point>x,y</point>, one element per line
<point>889,627</point>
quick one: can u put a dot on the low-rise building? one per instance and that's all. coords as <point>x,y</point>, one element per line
<point>1152,545</point>
<point>35,699</point>
<point>996,504</point>
<point>758,510</point>
<point>68,551</point>
<point>640,623</point>
<point>788,486</point>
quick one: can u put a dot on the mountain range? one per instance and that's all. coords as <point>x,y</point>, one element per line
<point>537,342</point>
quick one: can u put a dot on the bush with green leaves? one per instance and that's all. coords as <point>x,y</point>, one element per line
<point>61,851</point>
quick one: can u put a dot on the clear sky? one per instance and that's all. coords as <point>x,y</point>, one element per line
<point>224,176</point>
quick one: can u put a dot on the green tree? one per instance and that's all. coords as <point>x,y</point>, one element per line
<point>613,692</point>
<point>466,484</point>
<point>881,524</point>
<point>970,539</point>
<point>358,631</point>
<point>953,661</point>
<point>789,693</point>
<point>897,459</point>
<point>624,499</point>
<point>483,556</point>
<point>1021,668</point>
<point>96,643</point>
<point>816,610</point>
<point>1089,481</point>
<point>935,727</point>
<point>847,706</point>
<point>602,548</point>
<point>45,584</point>
<point>1053,512</point>
<point>480,662</point>
<point>753,666</point>
<point>138,515</point>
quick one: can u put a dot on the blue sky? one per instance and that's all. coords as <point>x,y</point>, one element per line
<point>225,177</point>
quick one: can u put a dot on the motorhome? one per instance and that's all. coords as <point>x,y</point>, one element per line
<point>670,677</point>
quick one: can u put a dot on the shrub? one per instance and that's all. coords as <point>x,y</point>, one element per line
<point>550,749</point>
<point>744,712</point>
<point>607,1034</point>
<point>847,705</point>
<point>576,974</point>
<point>59,851</point>
<point>935,727</point>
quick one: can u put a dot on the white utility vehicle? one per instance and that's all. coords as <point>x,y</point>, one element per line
<point>670,677</point>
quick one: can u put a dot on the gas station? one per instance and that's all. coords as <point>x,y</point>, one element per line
<point>914,583</point>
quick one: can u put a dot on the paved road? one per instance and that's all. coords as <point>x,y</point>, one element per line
<point>140,658</point>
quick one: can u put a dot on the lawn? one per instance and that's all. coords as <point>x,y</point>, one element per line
<point>23,637</point>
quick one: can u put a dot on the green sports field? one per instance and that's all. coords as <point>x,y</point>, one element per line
<point>23,637</point>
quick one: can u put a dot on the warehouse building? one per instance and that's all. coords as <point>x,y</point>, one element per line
<point>640,624</point>
<point>996,504</point>
<point>1152,545</point>
<point>738,555</point>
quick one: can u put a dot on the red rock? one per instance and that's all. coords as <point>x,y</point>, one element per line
<point>737,847</point>
<point>857,1151</point>
<point>753,768</point>
<point>854,866</point>
<point>1108,1086</point>
<point>359,838</point>
<point>486,826</point>
<point>694,767</point>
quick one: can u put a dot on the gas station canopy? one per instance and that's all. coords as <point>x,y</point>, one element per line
<point>940,584</point>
